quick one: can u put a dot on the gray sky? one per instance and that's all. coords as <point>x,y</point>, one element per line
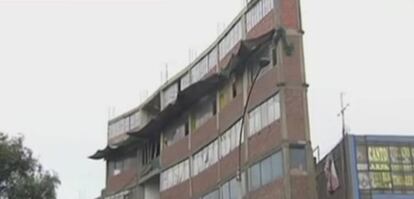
<point>63,63</point>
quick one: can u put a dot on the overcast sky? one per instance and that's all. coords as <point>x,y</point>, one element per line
<point>65,63</point>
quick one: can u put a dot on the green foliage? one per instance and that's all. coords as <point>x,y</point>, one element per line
<point>21,175</point>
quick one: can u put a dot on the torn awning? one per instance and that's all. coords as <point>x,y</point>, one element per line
<point>185,99</point>
<point>113,149</point>
<point>244,52</point>
<point>198,90</point>
<point>102,153</point>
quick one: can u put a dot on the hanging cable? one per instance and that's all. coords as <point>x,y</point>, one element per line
<point>263,62</point>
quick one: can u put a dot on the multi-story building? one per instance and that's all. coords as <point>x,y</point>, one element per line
<point>368,167</point>
<point>233,124</point>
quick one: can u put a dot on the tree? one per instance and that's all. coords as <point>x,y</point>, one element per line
<point>21,175</point>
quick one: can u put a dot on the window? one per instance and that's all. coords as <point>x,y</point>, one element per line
<point>255,177</point>
<point>225,191</point>
<point>258,12</point>
<point>364,181</point>
<point>205,158</point>
<point>212,195</point>
<point>264,115</point>
<point>225,96</point>
<point>119,127</point>
<point>122,195</point>
<point>362,158</point>
<point>235,191</point>
<point>231,190</point>
<point>170,95</point>
<point>203,113</point>
<point>277,166</point>
<point>230,40</point>
<point>234,89</point>
<point>176,131</point>
<point>212,59</point>
<point>115,167</point>
<point>185,81</point>
<point>266,171</point>
<point>298,158</point>
<point>123,125</point>
<point>199,70</point>
<point>230,139</point>
<point>256,67</point>
<point>175,175</point>
<point>150,151</point>
<point>136,120</point>
<point>118,166</point>
<point>231,90</point>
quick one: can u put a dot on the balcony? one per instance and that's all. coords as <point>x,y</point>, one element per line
<point>150,170</point>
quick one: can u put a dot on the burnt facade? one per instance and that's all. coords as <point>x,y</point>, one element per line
<point>190,139</point>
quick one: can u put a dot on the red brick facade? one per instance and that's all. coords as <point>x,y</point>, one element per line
<point>285,79</point>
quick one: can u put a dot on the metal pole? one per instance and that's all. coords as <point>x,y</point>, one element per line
<point>242,121</point>
<point>280,34</point>
<point>344,144</point>
<point>343,115</point>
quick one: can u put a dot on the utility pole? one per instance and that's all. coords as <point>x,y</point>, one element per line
<point>342,114</point>
<point>344,144</point>
<point>166,72</point>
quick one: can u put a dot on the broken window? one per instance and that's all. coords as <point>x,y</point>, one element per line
<point>116,165</point>
<point>225,96</point>
<point>255,65</point>
<point>205,158</point>
<point>230,91</point>
<point>175,175</point>
<point>230,139</point>
<point>176,132</point>
<point>234,89</point>
<point>203,112</point>
<point>150,151</point>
